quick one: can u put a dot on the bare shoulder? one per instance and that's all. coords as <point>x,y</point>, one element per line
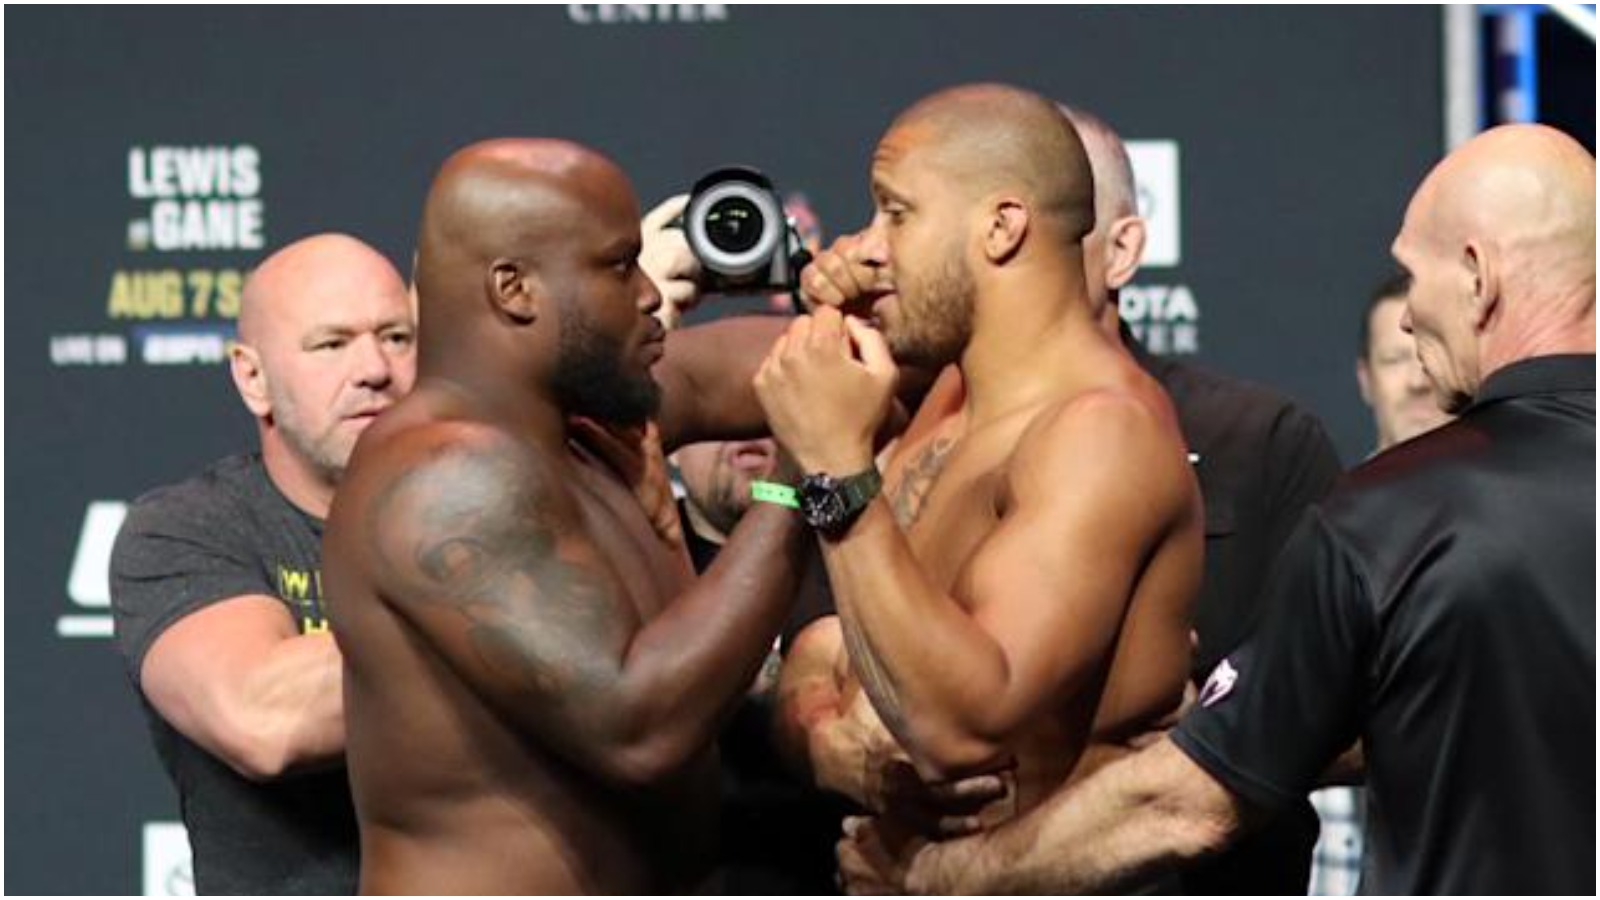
<point>1122,432</point>
<point>1126,418</point>
<point>437,496</point>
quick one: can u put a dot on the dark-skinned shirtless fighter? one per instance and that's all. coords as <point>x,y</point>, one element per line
<point>533,679</point>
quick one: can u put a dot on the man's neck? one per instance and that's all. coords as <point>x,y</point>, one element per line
<point>1549,336</point>
<point>504,404</point>
<point>294,479</point>
<point>1022,355</point>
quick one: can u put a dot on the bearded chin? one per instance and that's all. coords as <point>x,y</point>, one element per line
<point>944,325</point>
<point>924,350</point>
<point>590,380</point>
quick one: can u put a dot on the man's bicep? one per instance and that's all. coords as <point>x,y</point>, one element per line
<point>489,561</point>
<point>168,563</point>
<point>1054,581</point>
<point>199,662</point>
<point>1051,595</point>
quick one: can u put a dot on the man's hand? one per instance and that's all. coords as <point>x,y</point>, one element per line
<point>844,277</point>
<point>852,754</point>
<point>635,454</point>
<point>826,385</point>
<point>945,809</point>
<point>667,259</point>
<point>874,857</point>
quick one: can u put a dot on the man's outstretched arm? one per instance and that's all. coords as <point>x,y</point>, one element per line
<point>1122,827</point>
<point>232,674</point>
<point>483,548</point>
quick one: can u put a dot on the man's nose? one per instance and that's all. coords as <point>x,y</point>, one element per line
<point>372,368</point>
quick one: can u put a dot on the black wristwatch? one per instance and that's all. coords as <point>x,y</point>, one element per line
<point>831,505</point>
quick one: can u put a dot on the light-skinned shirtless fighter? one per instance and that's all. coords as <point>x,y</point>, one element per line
<point>533,679</point>
<point>1020,592</point>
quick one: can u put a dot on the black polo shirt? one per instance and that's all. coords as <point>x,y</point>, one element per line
<point>1440,606</point>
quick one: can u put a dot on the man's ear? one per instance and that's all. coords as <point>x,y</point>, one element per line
<point>515,291</point>
<point>1124,251</point>
<point>244,364</point>
<point>1005,230</point>
<point>1485,273</point>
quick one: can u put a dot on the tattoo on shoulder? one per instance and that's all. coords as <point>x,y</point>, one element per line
<point>483,538</point>
<point>911,492</point>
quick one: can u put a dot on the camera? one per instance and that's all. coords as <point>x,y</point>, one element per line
<point>736,227</point>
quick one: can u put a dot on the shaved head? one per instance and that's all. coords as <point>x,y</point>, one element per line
<point>527,271</point>
<point>1115,195</point>
<point>326,342</point>
<point>993,137</point>
<point>1113,250</point>
<point>1528,192</point>
<point>300,274</point>
<point>1498,244</point>
<point>511,197</point>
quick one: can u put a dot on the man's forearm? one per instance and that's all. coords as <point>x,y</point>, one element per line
<point>933,675</point>
<point>705,378</point>
<point>1120,828</point>
<point>690,666</point>
<point>292,705</point>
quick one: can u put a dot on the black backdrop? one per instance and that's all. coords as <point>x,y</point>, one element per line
<point>1298,135</point>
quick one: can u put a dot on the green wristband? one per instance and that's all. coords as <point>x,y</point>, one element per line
<point>772,492</point>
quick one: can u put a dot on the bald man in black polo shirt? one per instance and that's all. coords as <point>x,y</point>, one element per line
<point>1439,605</point>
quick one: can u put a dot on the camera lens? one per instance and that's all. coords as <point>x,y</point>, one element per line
<point>734,224</point>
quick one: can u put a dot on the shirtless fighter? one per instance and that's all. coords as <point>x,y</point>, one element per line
<point>533,679</point>
<point>1019,592</point>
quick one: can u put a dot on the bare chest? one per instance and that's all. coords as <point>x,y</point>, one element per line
<point>650,570</point>
<point>947,491</point>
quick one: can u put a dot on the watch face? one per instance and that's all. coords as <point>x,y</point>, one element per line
<point>821,501</point>
<point>825,511</point>
<point>830,504</point>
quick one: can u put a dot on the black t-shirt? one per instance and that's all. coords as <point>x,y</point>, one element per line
<point>1440,606</point>
<point>226,533</point>
<point>1261,461</point>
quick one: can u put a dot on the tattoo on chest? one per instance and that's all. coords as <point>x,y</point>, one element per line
<point>916,482</point>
